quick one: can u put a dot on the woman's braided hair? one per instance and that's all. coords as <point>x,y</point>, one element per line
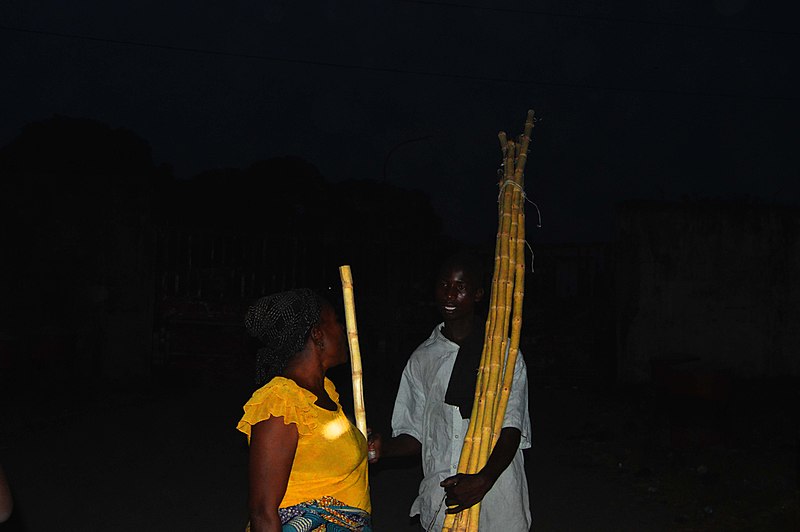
<point>282,322</point>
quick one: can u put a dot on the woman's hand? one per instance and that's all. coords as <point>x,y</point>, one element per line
<point>6,501</point>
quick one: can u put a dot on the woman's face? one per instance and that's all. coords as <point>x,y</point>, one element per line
<point>334,336</point>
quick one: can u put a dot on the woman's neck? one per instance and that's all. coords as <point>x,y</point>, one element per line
<point>307,372</point>
<point>311,377</point>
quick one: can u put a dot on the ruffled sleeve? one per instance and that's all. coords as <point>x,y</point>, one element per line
<point>280,397</point>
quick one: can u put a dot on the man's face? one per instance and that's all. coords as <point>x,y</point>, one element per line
<point>456,293</point>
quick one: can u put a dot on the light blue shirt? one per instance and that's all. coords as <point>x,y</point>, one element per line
<point>420,411</point>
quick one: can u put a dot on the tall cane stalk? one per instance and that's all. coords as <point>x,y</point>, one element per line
<point>355,352</point>
<point>496,370</point>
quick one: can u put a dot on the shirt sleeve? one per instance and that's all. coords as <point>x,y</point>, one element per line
<point>279,398</point>
<point>517,414</point>
<point>409,407</point>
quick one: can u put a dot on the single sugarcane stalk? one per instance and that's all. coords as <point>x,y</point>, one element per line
<point>518,241</point>
<point>501,328</point>
<point>355,352</point>
<point>514,257</point>
<point>516,330</point>
<point>524,148</point>
<point>476,405</point>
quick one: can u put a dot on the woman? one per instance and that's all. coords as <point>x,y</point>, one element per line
<point>308,463</point>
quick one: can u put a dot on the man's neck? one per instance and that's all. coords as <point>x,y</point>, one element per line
<point>458,330</point>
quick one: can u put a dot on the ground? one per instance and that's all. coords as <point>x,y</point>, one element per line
<point>164,455</point>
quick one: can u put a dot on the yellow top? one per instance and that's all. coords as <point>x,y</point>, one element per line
<point>331,456</point>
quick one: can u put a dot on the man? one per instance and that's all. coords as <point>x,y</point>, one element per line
<point>433,407</point>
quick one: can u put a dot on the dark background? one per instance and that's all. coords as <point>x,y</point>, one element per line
<point>656,100</point>
<point>165,163</point>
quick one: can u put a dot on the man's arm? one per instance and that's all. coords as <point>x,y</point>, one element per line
<point>409,408</point>
<point>465,490</point>
<point>401,445</point>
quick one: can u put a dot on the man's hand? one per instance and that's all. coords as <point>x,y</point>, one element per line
<point>464,490</point>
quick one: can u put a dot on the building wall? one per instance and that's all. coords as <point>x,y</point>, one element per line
<point>568,314</point>
<point>714,284</point>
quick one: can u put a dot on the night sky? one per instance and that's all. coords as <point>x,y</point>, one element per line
<point>663,100</point>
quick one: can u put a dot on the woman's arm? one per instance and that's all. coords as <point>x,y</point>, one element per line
<point>272,448</point>
<point>6,501</point>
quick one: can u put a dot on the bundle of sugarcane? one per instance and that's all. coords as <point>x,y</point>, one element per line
<point>496,370</point>
<point>355,352</point>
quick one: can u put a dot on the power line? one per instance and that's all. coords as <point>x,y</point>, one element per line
<point>391,70</point>
<point>596,18</point>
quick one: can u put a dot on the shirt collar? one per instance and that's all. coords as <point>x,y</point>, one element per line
<point>437,336</point>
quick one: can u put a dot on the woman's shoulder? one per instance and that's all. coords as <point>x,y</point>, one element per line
<point>283,388</point>
<point>284,385</point>
<point>281,397</point>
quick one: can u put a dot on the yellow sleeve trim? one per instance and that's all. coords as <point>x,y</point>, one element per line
<point>281,397</point>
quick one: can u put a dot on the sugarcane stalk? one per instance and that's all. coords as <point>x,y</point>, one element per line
<point>519,281</point>
<point>490,428</point>
<point>481,420</point>
<point>486,422</point>
<point>497,369</point>
<point>525,145</point>
<point>514,257</point>
<point>486,355</point>
<point>490,365</point>
<point>470,449</point>
<point>516,330</point>
<point>355,352</point>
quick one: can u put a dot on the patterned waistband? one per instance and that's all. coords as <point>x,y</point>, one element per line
<point>324,515</point>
